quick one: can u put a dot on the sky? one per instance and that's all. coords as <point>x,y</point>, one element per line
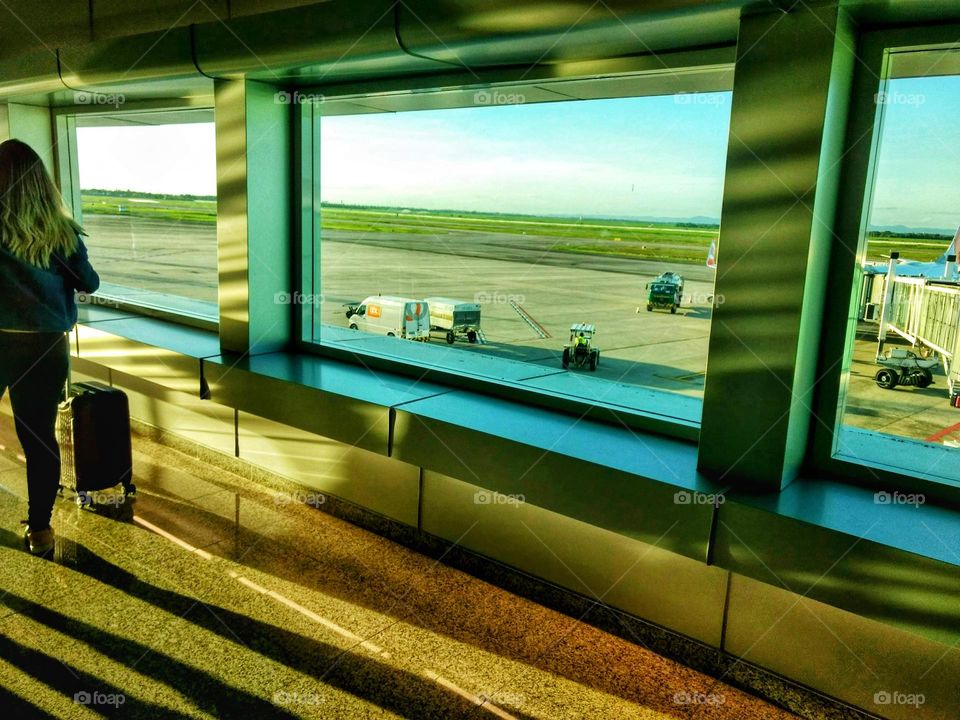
<point>175,159</point>
<point>633,157</point>
<point>918,166</point>
<point>657,156</point>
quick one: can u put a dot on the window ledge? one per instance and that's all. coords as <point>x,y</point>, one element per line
<point>574,391</point>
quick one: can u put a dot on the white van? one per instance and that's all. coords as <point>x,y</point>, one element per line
<point>394,316</point>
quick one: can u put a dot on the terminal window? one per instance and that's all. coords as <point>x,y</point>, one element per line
<point>569,246</point>
<point>148,191</point>
<point>903,367</point>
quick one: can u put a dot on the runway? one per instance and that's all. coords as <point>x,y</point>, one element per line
<point>642,349</point>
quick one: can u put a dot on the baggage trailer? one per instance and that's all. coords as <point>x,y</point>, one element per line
<point>454,318</point>
<point>902,367</point>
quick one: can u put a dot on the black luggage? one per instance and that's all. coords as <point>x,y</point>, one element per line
<point>93,430</point>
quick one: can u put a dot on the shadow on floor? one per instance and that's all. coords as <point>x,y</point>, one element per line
<point>377,682</point>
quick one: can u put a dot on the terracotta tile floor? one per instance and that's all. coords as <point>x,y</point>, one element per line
<point>166,607</point>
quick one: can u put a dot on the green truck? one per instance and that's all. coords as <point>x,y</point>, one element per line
<point>665,291</point>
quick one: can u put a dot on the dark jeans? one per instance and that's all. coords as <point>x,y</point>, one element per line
<point>34,367</point>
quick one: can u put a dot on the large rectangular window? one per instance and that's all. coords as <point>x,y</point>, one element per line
<point>566,247</point>
<point>149,207</point>
<point>903,377</point>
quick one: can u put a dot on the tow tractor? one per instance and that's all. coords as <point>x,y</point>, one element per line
<point>902,367</point>
<point>665,291</point>
<point>580,350</point>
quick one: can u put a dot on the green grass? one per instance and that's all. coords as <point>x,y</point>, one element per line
<point>610,238</point>
<point>189,211</point>
<point>925,250</point>
<point>682,255</point>
<point>379,221</point>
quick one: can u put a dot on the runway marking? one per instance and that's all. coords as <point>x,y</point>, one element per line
<point>940,434</point>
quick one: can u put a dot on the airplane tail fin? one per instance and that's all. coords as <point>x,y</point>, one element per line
<point>952,249</point>
<point>712,255</point>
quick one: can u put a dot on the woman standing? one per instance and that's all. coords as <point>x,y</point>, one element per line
<point>42,262</point>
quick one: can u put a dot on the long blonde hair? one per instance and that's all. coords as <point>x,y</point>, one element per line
<point>34,221</point>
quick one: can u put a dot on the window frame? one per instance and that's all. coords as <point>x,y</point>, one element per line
<point>874,51</point>
<point>65,140</point>
<point>683,70</point>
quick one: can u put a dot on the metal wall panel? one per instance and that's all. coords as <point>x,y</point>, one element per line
<point>187,416</point>
<point>171,363</point>
<point>375,482</point>
<point>856,570</point>
<point>840,653</point>
<point>640,578</point>
<point>609,477</point>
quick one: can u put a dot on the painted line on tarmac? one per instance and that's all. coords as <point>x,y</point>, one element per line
<point>940,434</point>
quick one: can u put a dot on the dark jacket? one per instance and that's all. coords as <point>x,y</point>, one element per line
<point>39,299</point>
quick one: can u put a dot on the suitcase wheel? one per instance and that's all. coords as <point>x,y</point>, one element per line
<point>130,490</point>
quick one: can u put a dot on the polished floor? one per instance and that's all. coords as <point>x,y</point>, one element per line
<point>211,597</point>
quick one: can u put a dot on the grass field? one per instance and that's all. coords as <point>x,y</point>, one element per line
<point>151,207</point>
<point>608,238</point>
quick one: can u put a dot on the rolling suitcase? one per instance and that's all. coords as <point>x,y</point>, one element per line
<point>93,430</point>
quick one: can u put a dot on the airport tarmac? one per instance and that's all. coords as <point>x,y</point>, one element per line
<point>154,256</point>
<point>652,349</point>
<point>638,349</point>
<point>910,412</point>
